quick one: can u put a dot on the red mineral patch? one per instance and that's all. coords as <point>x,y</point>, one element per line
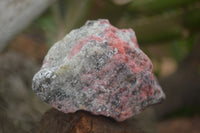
<point>76,49</point>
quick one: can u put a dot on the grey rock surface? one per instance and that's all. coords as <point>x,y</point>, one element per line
<point>98,68</point>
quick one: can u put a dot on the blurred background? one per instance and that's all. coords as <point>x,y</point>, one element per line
<point>168,31</point>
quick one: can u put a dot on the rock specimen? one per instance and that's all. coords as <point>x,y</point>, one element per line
<point>100,69</point>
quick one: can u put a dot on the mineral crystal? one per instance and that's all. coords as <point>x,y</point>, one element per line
<point>98,68</point>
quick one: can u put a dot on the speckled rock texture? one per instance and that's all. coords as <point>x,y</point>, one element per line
<point>98,68</point>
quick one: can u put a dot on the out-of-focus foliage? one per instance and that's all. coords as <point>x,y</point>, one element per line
<point>121,2</point>
<point>158,6</point>
<point>181,48</point>
<point>156,28</point>
<point>192,18</point>
<point>175,22</point>
<point>48,24</point>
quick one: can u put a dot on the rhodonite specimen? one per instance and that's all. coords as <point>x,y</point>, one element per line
<point>98,68</point>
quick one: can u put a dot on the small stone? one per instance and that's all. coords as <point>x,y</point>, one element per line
<point>98,68</point>
<point>54,121</point>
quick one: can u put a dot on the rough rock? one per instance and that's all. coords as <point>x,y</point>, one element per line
<point>98,68</point>
<point>54,121</point>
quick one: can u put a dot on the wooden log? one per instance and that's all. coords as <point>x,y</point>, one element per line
<point>54,121</point>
